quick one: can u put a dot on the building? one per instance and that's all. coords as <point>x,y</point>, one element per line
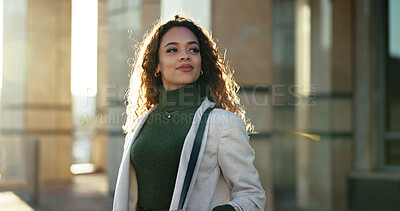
<point>318,78</point>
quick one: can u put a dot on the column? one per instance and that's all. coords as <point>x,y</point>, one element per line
<point>127,20</point>
<point>367,90</point>
<point>36,96</point>
<point>99,151</point>
<point>324,80</point>
<point>283,101</point>
<point>244,30</point>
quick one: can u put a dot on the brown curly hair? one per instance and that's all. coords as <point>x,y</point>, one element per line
<point>217,82</point>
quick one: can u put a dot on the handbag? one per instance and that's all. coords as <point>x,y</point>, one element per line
<point>193,157</point>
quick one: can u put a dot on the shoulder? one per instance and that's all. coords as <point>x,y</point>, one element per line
<point>225,117</point>
<point>128,135</point>
<point>223,113</point>
<point>143,117</point>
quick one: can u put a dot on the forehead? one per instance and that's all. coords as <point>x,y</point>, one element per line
<point>178,34</point>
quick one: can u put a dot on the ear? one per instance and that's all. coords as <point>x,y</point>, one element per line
<point>158,69</point>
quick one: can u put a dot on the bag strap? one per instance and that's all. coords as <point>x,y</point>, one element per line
<point>193,156</point>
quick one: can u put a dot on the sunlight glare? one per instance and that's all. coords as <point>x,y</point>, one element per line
<point>1,43</point>
<point>84,48</point>
<point>199,11</point>
<point>82,168</point>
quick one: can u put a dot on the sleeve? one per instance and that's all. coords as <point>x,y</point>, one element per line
<point>235,157</point>
<point>225,207</point>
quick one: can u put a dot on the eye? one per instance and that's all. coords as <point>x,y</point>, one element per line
<point>171,50</point>
<point>195,50</point>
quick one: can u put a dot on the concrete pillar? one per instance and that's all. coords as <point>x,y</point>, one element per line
<point>36,96</point>
<point>126,19</point>
<point>283,102</point>
<point>198,11</point>
<point>370,175</point>
<point>243,29</point>
<point>367,90</point>
<point>324,80</point>
<point>99,151</point>
<point>151,11</point>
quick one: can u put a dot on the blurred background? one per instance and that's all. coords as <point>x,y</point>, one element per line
<point>320,79</point>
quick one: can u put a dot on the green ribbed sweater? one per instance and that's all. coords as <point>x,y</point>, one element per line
<point>156,151</point>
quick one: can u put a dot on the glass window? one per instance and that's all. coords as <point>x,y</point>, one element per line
<point>391,142</point>
<point>393,67</point>
<point>393,152</point>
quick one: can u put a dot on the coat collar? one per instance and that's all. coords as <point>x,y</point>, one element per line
<point>140,122</point>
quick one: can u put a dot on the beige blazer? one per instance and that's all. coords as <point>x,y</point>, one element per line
<point>224,171</point>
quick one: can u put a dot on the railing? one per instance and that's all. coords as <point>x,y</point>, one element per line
<point>19,167</point>
<point>12,163</point>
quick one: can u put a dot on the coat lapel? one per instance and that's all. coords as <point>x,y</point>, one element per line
<point>121,197</point>
<point>136,131</point>
<point>185,156</point>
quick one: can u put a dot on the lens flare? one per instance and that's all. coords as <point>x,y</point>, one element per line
<point>289,131</point>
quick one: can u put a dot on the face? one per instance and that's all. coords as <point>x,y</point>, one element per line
<point>179,58</point>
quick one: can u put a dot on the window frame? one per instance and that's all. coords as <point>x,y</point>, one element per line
<point>384,135</point>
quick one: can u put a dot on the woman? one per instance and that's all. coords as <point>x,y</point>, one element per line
<point>178,75</point>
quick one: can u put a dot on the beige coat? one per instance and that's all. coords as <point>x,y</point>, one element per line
<point>224,170</point>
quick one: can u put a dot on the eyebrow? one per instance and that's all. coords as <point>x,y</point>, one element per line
<point>175,43</point>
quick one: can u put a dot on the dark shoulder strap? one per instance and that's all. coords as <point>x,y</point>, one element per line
<point>193,156</point>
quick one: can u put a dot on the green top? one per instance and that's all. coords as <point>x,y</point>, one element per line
<point>156,151</point>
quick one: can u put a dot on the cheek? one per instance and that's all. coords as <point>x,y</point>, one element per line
<point>161,65</point>
<point>198,61</point>
<point>166,63</point>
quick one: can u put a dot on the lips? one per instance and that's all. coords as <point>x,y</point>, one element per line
<point>185,67</point>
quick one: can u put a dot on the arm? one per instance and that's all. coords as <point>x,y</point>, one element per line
<point>225,207</point>
<point>236,156</point>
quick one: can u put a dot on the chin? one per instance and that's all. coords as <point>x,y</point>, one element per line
<point>188,80</point>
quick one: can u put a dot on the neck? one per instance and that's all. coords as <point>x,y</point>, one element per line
<point>181,98</point>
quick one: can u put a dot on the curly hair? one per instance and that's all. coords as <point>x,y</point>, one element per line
<point>217,82</point>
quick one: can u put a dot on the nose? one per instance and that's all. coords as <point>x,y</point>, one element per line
<point>185,57</point>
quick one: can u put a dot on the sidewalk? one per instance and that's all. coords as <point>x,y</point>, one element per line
<point>87,192</point>
<point>9,201</point>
